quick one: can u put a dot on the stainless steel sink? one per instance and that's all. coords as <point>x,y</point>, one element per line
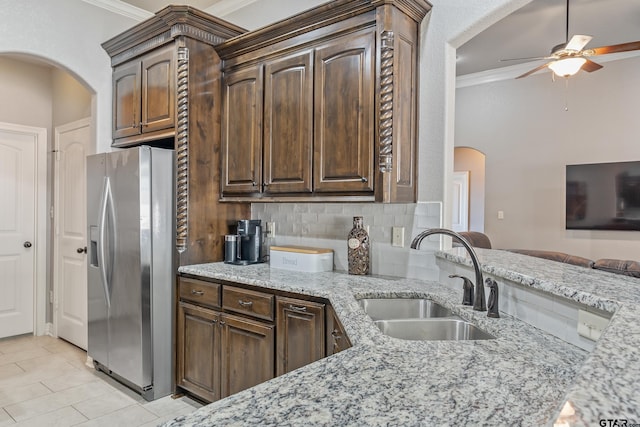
<point>403,308</point>
<point>432,329</point>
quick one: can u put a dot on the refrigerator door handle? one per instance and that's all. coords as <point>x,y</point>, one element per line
<point>102,231</point>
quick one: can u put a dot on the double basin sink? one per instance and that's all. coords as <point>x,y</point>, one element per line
<point>419,319</point>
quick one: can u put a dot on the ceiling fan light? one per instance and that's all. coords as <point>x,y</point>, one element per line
<point>567,67</point>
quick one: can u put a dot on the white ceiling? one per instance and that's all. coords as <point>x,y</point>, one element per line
<point>537,27</point>
<point>529,32</point>
<point>154,5</point>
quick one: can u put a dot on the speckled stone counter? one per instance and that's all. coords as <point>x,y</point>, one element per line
<point>607,386</point>
<point>519,378</point>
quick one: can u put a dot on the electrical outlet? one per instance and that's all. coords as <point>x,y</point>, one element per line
<point>397,237</point>
<point>271,229</point>
<point>590,325</point>
<point>500,214</point>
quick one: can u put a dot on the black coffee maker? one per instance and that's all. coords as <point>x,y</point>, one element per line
<point>245,247</point>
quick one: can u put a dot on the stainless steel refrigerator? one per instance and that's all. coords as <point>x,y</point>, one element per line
<point>131,274</point>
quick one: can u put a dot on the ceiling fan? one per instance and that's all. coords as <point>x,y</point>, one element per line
<point>567,58</point>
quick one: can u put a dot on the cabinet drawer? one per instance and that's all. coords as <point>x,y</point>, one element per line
<point>200,292</point>
<point>257,304</point>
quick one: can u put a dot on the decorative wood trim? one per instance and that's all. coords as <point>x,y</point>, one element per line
<point>415,9</point>
<point>348,198</point>
<point>304,22</point>
<point>182,151</point>
<point>141,48</point>
<point>385,157</point>
<point>170,22</point>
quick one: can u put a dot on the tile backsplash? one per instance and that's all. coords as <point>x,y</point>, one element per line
<point>327,225</point>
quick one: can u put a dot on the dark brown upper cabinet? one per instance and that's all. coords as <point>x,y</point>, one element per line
<point>344,131</point>
<point>288,120</point>
<point>144,94</point>
<point>167,93</point>
<point>331,110</point>
<point>242,139</point>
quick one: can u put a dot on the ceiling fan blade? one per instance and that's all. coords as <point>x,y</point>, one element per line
<point>591,66</point>
<point>528,73</point>
<point>577,42</point>
<point>603,50</point>
<point>528,58</point>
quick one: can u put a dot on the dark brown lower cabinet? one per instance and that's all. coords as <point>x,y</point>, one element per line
<point>247,353</point>
<point>223,348</point>
<point>198,344</point>
<point>220,354</point>
<point>337,339</point>
<point>299,333</point>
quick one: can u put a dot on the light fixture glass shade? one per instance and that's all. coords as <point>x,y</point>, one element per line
<point>567,67</point>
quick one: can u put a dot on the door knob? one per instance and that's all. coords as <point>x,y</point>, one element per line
<point>27,244</point>
<point>82,250</point>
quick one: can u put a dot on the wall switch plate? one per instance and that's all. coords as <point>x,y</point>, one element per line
<point>591,325</point>
<point>500,214</point>
<point>397,237</point>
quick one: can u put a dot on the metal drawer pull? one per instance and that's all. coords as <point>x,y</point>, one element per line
<point>195,292</point>
<point>336,334</point>
<point>245,303</point>
<point>297,308</point>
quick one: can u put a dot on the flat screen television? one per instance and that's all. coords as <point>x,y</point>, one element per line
<point>603,196</point>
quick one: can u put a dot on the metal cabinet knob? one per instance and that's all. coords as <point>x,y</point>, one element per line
<point>82,250</point>
<point>27,244</point>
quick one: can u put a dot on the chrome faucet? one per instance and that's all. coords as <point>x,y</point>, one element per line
<point>479,302</point>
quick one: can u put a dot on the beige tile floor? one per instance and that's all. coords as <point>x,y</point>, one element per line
<point>44,382</point>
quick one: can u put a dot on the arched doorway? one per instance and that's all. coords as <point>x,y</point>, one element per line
<point>41,95</point>
<point>471,162</point>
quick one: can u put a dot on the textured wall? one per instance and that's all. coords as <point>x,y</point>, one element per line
<point>528,139</point>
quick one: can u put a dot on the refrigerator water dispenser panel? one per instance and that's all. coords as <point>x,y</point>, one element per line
<point>93,245</point>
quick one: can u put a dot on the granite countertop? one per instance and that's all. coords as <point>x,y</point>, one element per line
<point>521,378</point>
<point>607,386</point>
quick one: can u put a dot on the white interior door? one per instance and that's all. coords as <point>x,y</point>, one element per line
<point>460,209</point>
<point>17,231</point>
<point>70,277</point>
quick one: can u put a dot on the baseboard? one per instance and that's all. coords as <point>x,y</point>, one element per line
<point>49,330</point>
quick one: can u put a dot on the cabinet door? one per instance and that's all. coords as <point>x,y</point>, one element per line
<point>126,100</point>
<point>344,114</point>
<point>288,118</point>
<point>337,339</point>
<point>300,336</point>
<point>247,353</point>
<point>158,89</point>
<point>198,351</point>
<point>242,131</point>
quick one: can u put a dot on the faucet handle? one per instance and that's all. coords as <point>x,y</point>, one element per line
<point>492,304</point>
<point>467,288</point>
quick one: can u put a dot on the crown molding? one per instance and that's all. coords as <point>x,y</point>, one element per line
<point>121,8</point>
<point>226,7</point>
<point>513,71</point>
